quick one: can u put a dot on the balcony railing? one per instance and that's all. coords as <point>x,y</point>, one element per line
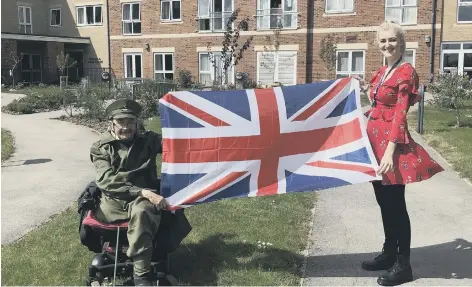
<point>213,22</point>
<point>276,18</point>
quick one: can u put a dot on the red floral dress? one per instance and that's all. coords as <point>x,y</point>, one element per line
<point>387,122</point>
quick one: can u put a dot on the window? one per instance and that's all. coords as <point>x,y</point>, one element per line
<point>55,17</point>
<point>339,6</point>
<point>272,14</point>
<point>24,19</point>
<point>464,11</point>
<point>402,11</point>
<point>31,68</point>
<point>131,18</point>
<point>133,65</point>
<point>89,15</point>
<point>408,56</point>
<point>170,10</point>
<point>457,56</point>
<point>276,67</point>
<point>210,69</point>
<point>213,15</point>
<point>163,66</point>
<point>349,63</point>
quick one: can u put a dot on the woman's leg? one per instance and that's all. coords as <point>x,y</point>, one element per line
<point>384,196</point>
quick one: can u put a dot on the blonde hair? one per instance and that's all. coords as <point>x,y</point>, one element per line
<point>397,29</point>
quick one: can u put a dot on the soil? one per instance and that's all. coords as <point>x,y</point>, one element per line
<point>97,125</point>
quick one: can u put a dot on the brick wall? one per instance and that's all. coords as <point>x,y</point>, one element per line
<point>8,48</point>
<point>182,36</point>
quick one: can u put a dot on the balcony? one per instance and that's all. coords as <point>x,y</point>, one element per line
<point>213,22</point>
<point>274,18</point>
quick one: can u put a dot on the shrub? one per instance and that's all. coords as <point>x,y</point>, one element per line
<point>450,90</point>
<point>93,102</point>
<point>148,94</point>
<point>184,79</point>
<point>20,107</point>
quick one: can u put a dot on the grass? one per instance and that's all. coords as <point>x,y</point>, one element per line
<point>452,143</point>
<point>8,144</point>
<point>222,248</point>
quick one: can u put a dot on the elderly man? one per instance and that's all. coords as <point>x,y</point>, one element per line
<point>125,163</point>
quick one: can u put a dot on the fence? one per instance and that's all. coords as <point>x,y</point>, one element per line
<point>52,76</point>
<point>419,127</point>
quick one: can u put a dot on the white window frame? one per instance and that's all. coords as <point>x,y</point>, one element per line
<point>211,17</point>
<point>459,5</point>
<point>460,57</point>
<point>338,11</point>
<point>349,72</point>
<point>164,71</point>
<point>84,7</point>
<point>276,66</point>
<point>25,24</point>
<point>213,69</point>
<point>414,57</point>
<point>402,6</point>
<point>123,21</point>
<point>125,64</point>
<point>170,12</point>
<point>50,17</point>
<point>262,16</point>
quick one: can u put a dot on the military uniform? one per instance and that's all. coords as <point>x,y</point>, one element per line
<point>123,169</point>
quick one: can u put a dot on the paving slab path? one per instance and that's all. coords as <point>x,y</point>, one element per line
<point>47,172</point>
<point>347,229</point>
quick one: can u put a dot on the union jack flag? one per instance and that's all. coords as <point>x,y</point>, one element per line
<point>245,143</point>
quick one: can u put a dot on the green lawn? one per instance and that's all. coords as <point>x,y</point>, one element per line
<point>222,249</point>
<point>452,143</point>
<point>8,144</point>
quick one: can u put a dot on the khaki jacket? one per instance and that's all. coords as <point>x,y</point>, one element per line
<point>122,171</point>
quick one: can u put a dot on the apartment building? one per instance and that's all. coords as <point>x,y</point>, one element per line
<point>456,42</point>
<point>36,31</point>
<point>155,38</point>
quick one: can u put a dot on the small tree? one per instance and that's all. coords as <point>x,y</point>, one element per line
<point>63,62</point>
<point>327,53</point>
<point>16,59</point>
<point>231,53</point>
<point>450,90</point>
<point>272,48</point>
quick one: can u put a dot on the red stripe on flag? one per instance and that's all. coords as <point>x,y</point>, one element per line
<point>270,135</point>
<point>345,166</point>
<point>195,111</point>
<point>325,99</point>
<point>259,147</point>
<point>214,187</point>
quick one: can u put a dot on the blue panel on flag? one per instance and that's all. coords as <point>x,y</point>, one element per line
<point>298,182</point>
<point>359,155</point>
<point>346,106</point>
<point>234,101</point>
<point>239,189</point>
<point>298,96</point>
<point>171,183</point>
<point>173,119</point>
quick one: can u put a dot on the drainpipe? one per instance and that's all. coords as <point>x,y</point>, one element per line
<point>109,47</point>
<point>433,41</point>
<point>309,41</point>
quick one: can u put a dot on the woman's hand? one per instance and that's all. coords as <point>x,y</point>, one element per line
<point>155,199</point>
<point>386,164</point>
<point>361,81</point>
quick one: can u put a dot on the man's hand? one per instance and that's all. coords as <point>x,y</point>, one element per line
<point>155,199</point>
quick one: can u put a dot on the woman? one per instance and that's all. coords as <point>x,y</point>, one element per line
<point>393,89</point>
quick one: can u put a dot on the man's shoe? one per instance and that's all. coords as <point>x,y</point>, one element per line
<point>384,261</point>
<point>143,280</point>
<point>399,273</point>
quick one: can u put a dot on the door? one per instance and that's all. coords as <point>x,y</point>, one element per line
<point>76,72</point>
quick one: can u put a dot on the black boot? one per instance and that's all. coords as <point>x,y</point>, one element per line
<point>143,280</point>
<point>399,273</point>
<point>384,261</point>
